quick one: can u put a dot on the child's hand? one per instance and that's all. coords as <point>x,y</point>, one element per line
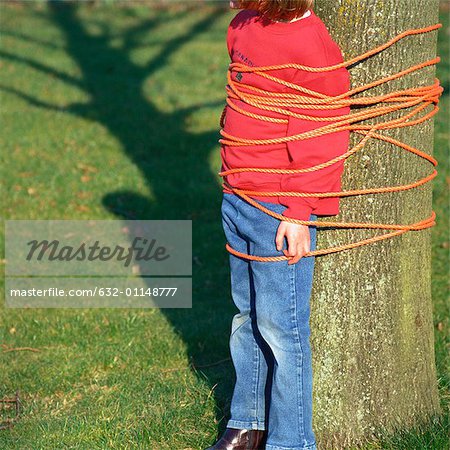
<point>298,239</point>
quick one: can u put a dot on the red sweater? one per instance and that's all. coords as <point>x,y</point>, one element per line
<point>256,41</point>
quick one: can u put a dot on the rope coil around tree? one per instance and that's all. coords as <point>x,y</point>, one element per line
<point>418,98</point>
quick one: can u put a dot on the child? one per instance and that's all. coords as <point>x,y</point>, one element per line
<point>271,406</point>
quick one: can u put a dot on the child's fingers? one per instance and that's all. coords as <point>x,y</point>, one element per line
<point>297,254</point>
<point>279,238</point>
<point>292,245</point>
<point>291,251</point>
<point>298,248</point>
<point>292,259</point>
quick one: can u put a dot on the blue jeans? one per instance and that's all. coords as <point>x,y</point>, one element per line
<point>269,339</point>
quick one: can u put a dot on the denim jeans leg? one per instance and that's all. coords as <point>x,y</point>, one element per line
<point>247,404</point>
<point>282,294</point>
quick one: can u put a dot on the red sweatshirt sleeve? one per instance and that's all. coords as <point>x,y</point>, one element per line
<point>230,31</point>
<point>312,151</point>
<point>229,41</point>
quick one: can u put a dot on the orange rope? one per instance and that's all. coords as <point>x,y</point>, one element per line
<point>418,98</point>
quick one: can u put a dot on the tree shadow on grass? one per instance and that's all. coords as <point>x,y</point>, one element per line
<point>173,162</point>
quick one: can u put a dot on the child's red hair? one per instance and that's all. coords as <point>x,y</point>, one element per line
<point>277,9</point>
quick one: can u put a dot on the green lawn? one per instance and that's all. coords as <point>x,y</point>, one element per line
<point>87,92</point>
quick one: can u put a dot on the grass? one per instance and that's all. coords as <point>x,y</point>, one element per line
<point>86,92</point>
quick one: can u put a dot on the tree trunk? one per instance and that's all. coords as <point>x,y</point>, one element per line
<point>371,317</point>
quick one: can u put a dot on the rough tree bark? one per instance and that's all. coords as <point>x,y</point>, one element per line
<point>371,317</point>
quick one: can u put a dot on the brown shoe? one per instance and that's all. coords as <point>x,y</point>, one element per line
<point>234,439</point>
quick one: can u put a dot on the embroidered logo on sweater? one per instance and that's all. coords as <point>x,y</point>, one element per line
<point>243,58</point>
